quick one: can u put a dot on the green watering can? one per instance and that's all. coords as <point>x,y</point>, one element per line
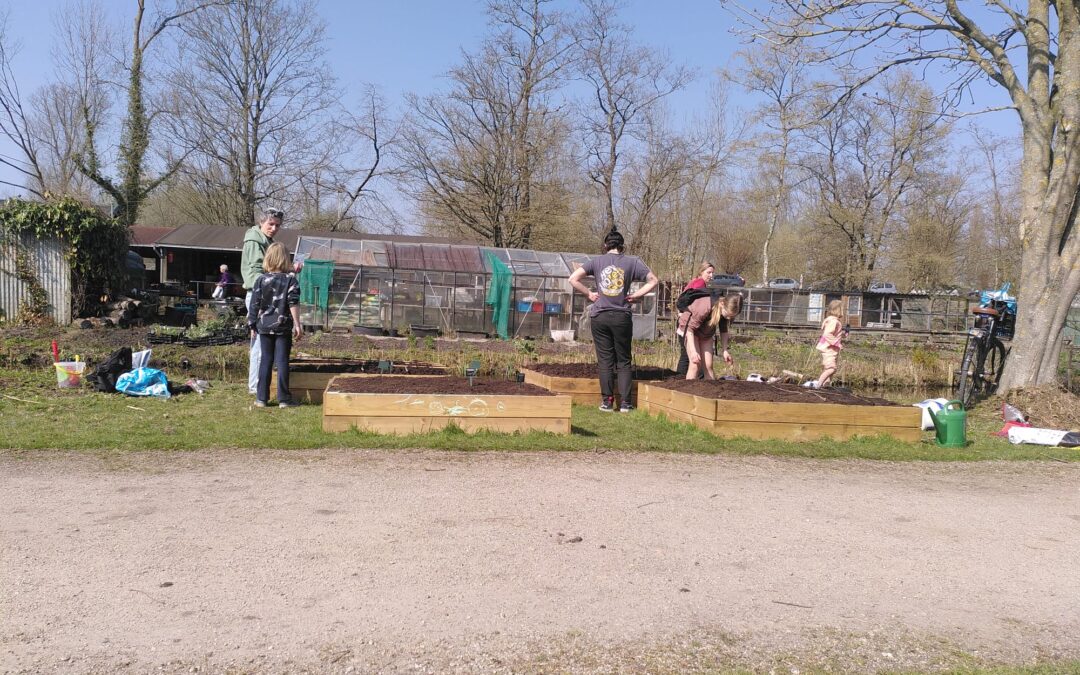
<point>950,424</point>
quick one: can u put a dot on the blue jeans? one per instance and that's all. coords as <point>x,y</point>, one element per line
<point>254,353</point>
<point>275,352</point>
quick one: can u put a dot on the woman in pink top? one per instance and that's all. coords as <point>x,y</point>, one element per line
<point>831,342</point>
<point>704,321</point>
<point>698,283</point>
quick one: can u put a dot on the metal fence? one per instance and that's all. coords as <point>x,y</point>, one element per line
<point>48,262</point>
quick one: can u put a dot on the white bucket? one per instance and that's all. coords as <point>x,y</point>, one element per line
<point>69,374</point>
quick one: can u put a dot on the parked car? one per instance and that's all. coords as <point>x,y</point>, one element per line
<point>727,281</point>
<point>882,287</point>
<point>783,284</point>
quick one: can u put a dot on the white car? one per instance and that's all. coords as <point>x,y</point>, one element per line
<point>783,284</point>
<point>882,287</point>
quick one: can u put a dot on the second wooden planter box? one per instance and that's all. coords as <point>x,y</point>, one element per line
<point>782,421</point>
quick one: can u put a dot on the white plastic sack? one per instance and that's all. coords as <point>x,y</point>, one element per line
<point>931,404</point>
<point>141,359</point>
<point>1036,436</point>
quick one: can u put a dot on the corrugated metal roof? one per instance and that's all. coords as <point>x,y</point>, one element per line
<point>148,236</point>
<point>218,238</point>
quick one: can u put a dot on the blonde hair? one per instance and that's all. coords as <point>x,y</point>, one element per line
<point>277,258</point>
<point>731,303</point>
<point>704,266</point>
<point>836,308</point>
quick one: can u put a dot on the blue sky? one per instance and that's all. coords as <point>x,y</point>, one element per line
<point>406,45</point>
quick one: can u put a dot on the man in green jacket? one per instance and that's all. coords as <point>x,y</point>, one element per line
<point>256,240</point>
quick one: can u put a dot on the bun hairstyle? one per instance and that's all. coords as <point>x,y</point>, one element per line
<point>614,240</point>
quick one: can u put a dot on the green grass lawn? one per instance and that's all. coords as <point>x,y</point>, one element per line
<point>48,418</point>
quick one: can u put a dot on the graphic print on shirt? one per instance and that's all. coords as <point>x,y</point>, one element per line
<point>611,281</point>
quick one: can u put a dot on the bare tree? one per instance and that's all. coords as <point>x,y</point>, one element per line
<point>481,156</point>
<point>133,185</point>
<point>931,237</point>
<point>15,124</point>
<point>250,99</point>
<point>624,81</point>
<point>862,159</point>
<point>666,164</point>
<point>780,76</point>
<point>1033,55</point>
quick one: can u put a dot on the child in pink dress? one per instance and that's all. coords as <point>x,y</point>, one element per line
<point>831,342</point>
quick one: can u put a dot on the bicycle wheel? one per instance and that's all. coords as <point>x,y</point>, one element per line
<point>965,389</point>
<point>990,367</point>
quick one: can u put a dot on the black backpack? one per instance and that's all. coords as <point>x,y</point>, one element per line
<point>682,303</point>
<point>108,371</point>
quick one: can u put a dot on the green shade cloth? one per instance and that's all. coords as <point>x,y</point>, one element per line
<point>315,279</point>
<point>498,295</point>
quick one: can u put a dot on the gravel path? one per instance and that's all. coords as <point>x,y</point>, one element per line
<point>347,561</point>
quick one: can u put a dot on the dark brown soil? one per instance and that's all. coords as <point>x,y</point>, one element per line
<point>368,366</point>
<point>736,390</point>
<point>588,370</point>
<point>432,385</point>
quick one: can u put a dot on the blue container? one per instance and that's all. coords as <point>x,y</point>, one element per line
<point>552,308</point>
<point>524,306</point>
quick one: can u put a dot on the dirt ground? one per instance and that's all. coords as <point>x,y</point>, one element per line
<point>347,561</point>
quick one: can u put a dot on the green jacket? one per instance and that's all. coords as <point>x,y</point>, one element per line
<point>255,245</point>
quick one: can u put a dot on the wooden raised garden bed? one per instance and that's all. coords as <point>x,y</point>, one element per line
<point>397,405</point>
<point>782,412</point>
<point>308,378</point>
<point>581,381</point>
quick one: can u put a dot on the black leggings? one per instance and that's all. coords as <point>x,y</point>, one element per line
<point>613,333</point>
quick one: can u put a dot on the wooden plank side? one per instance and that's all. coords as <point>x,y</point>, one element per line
<point>658,395</point>
<point>677,415</point>
<point>695,405</point>
<point>783,430</point>
<point>442,405</point>
<point>419,425</point>
<point>819,413</point>
<point>537,378</point>
<point>793,431</point>
<point>577,385</point>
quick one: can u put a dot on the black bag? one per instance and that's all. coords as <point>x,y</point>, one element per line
<point>682,303</point>
<point>108,371</point>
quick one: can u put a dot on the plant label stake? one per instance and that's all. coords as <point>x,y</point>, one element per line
<point>472,370</point>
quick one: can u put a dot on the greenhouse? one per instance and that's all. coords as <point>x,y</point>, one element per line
<point>392,288</point>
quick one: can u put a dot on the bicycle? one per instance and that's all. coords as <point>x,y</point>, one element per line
<point>985,351</point>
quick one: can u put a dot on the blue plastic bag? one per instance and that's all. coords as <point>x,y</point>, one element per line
<point>143,382</point>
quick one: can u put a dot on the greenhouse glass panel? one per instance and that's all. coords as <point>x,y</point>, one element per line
<point>470,311</point>
<point>524,262</point>
<point>408,299</point>
<point>436,257</point>
<point>374,254</point>
<point>376,298</point>
<point>407,257</point>
<point>466,259</point>
<point>313,248</point>
<point>438,287</point>
<point>576,260</point>
<point>552,264</point>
